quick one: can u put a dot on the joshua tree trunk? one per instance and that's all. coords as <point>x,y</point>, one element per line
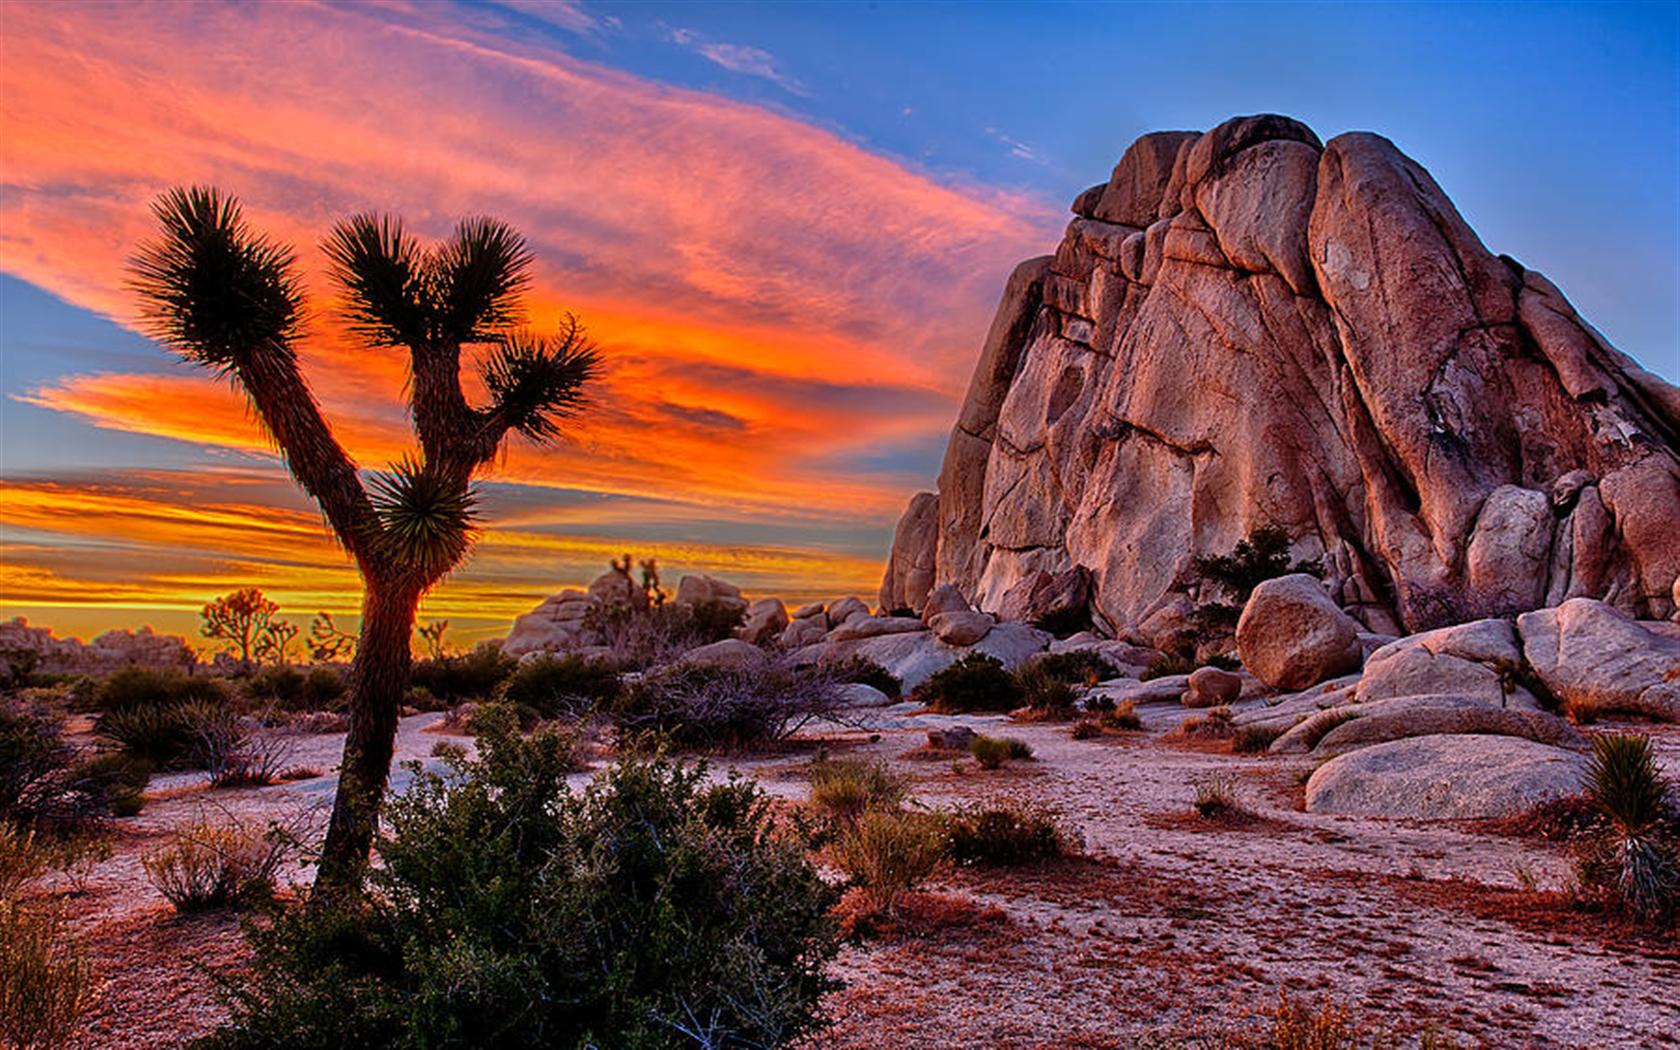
<point>378,679</point>
<point>230,300</point>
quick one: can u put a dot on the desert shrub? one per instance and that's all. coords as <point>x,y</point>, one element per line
<point>1252,739</point>
<point>46,979</point>
<point>645,636</point>
<point>143,687</point>
<point>1217,797</point>
<point>1003,834</point>
<point>34,763</point>
<point>856,668</point>
<point>977,682</point>
<point>842,790</point>
<point>1065,622</point>
<point>118,778</point>
<point>1215,725</point>
<point>1077,667</point>
<point>475,675</point>
<point>285,686</point>
<point>888,853</point>
<point>47,785</point>
<point>652,910</point>
<point>217,864</point>
<point>1087,729</point>
<point>1168,664</point>
<point>1045,693</point>
<point>705,706</point>
<point>1262,556</point>
<point>992,751</point>
<point>1636,862</point>
<point>235,758</point>
<point>171,736</point>
<point>562,686</point>
<point>1121,716</point>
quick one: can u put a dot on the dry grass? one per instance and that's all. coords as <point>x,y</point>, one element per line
<point>215,864</point>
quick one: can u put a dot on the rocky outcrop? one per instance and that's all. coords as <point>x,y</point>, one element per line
<point>1250,327</point>
<point>909,575</point>
<point>27,648</point>
<point>1597,661</point>
<point>1445,777</point>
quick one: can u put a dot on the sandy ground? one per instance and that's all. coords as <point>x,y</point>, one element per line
<point>1168,925</point>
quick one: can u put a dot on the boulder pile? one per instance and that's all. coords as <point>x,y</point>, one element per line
<point>1251,327</point>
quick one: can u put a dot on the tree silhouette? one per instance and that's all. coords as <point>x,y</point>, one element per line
<point>242,620</point>
<point>228,299</point>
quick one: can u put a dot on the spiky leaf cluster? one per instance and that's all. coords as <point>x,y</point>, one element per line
<point>1624,782</point>
<point>426,518</point>
<point>396,292</point>
<point>537,383</point>
<point>210,289</point>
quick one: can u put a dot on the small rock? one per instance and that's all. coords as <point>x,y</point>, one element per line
<point>960,628</point>
<point>1211,687</point>
<point>944,599</point>
<point>955,738</point>
<point>843,610</point>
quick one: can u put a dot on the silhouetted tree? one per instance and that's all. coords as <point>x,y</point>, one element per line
<point>229,299</point>
<point>242,620</point>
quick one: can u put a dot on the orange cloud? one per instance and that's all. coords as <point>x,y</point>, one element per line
<point>160,542</point>
<point>779,304</point>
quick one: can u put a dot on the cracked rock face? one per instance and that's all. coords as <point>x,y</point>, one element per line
<point>1247,327</point>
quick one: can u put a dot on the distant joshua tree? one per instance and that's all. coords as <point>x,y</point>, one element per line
<point>242,619</point>
<point>229,299</point>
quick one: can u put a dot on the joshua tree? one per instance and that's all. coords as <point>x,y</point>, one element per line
<point>242,619</point>
<point>229,299</point>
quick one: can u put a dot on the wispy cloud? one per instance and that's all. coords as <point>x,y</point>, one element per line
<point>737,58</point>
<point>569,15</point>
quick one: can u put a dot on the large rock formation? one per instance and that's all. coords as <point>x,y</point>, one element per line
<point>24,648</point>
<point>1245,328</point>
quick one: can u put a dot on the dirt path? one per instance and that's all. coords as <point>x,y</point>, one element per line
<point>1169,925</point>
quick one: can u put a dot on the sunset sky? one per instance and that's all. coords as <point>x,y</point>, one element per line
<point>786,225</point>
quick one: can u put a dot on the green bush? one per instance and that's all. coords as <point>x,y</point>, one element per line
<point>977,682</point>
<point>46,784</point>
<point>992,752</point>
<point>1264,555</point>
<point>476,675</point>
<point>141,687</point>
<point>118,778</point>
<point>318,689</point>
<point>34,763</point>
<point>563,686</point>
<point>862,669</point>
<point>1003,834</point>
<point>511,911</point>
<point>1078,667</point>
<point>169,737</point>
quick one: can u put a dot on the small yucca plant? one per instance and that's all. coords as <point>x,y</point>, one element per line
<point>1637,863</point>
